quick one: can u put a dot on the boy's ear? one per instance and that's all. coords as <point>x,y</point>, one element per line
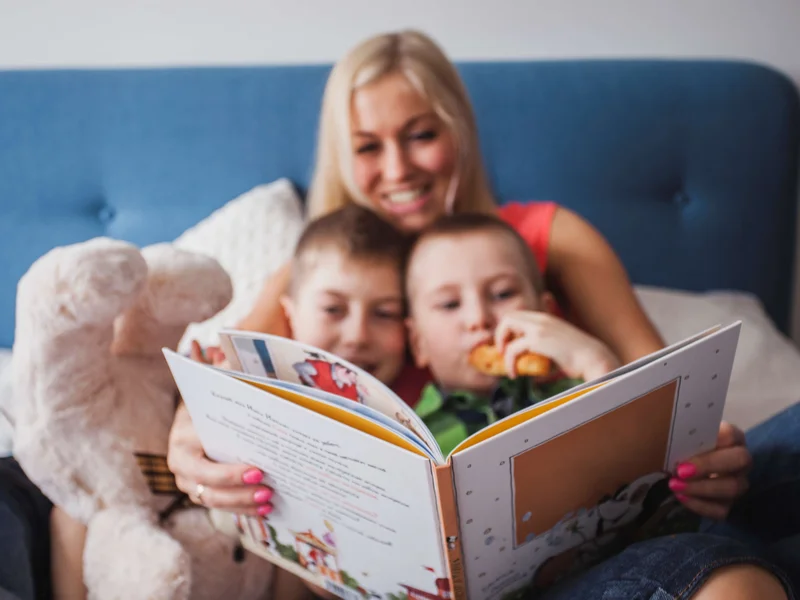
<point>547,303</point>
<point>415,345</point>
<point>288,308</point>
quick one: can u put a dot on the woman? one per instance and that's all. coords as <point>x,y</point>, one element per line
<point>398,136</point>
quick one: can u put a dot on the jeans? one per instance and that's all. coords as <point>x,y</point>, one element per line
<point>768,515</point>
<point>665,568</point>
<point>763,529</point>
<point>24,536</point>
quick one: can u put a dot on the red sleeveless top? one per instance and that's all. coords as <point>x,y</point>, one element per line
<point>533,221</point>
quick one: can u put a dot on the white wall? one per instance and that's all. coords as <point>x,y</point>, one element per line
<point>38,33</point>
<point>116,33</point>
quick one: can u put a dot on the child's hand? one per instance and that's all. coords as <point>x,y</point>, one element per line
<point>577,353</point>
<point>213,355</point>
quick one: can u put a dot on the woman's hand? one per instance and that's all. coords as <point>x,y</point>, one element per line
<point>710,483</point>
<point>576,353</point>
<point>235,488</point>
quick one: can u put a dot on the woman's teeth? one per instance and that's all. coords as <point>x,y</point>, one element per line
<point>404,197</point>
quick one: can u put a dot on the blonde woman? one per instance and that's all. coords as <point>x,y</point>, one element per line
<point>398,135</point>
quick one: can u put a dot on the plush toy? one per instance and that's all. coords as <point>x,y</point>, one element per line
<point>94,402</point>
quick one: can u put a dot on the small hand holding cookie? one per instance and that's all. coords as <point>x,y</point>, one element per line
<point>577,353</point>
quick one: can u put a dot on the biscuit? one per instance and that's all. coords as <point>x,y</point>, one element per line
<point>488,360</point>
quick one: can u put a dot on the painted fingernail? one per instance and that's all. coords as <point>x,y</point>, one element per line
<point>676,485</point>
<point>686,470</point>
<point>262,496</point>
<point>681,497</point>
<point>252,476</point>
<point>265,510</point>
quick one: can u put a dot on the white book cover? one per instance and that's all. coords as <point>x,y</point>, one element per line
<point>343,516</point>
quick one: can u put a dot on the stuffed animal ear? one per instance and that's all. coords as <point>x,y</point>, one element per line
<point>88,283</point>
<point>183,286</point>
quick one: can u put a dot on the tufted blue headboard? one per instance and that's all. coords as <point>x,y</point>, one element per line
<point>690,168</point>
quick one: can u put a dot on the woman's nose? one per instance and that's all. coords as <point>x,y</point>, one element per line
<point>396,165</point>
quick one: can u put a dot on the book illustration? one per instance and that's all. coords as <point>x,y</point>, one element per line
<point>293,362</point>
<point>254,357</point>
<point>329,376</point>
<point>398,424</point>
<point>641,430</point>
<point>315,551</point>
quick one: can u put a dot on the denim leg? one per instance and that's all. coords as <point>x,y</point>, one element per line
<point>769,513</point>
<point>24,536</point>
<point>665,568</point>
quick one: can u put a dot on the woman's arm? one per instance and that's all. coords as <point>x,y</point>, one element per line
<point>588,274</point>
<point>267,315</point>
<point>67,541</point>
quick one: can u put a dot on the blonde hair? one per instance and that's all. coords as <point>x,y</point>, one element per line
<point>427,68</point>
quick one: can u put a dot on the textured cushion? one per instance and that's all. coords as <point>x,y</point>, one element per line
<point>766,371</point>
<point>251,236</point>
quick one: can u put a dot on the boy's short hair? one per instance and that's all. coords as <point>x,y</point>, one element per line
<point>357,233</point>
<point>460,223</point>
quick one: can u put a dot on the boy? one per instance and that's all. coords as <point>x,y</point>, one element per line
<point>346,295</point>
<point>471,281</point>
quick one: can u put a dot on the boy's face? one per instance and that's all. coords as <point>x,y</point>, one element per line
<point>459,287</point>
<point>352,308</point>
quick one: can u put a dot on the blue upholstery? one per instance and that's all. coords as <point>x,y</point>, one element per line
<point>689,168</point>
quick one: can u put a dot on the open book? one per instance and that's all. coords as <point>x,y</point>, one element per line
<point>366,505</point>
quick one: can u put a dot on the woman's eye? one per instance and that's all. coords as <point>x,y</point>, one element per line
<point>367,148</point>
<point>423,135</point>
<point>333,310</point>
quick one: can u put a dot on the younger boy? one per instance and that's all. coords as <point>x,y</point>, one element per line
<point>471,280</point>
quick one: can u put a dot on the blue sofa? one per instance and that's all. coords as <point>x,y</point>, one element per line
<point>690,168</point>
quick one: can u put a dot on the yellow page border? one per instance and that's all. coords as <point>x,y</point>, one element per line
<point>517,419</point>
<point>339,414</point>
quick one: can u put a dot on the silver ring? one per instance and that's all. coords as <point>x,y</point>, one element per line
<point>198,493</point>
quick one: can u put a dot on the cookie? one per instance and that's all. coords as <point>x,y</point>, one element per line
<point>487,359</point>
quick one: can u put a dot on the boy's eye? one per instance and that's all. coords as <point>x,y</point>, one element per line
<point>505,294</point>
<point>333,310</point>
<point>448,305</point>
<point>389,315</point>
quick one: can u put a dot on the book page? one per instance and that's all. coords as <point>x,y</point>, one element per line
<point>572,393</point>
<point>288,360</point>
<point>563,490</point>
<point>351,511</point>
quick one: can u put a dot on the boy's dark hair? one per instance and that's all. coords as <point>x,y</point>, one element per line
<point>354,231</point>
<point>472,222</point>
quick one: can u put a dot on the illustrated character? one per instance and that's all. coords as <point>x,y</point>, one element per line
<point>614,522</point>
<point>317,372</point>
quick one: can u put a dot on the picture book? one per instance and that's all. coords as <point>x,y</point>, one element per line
<point>367,506</point>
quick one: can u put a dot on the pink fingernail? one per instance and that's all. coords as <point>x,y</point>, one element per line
<point>252,476</point>
<point>686,470</point>
<point>676,485</point>
<point>681,497</point>
<point>265,510</point>
<point>262,496</point>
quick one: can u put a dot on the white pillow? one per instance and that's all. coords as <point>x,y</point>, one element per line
<point>251,236</point>
<point>766,371</point>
